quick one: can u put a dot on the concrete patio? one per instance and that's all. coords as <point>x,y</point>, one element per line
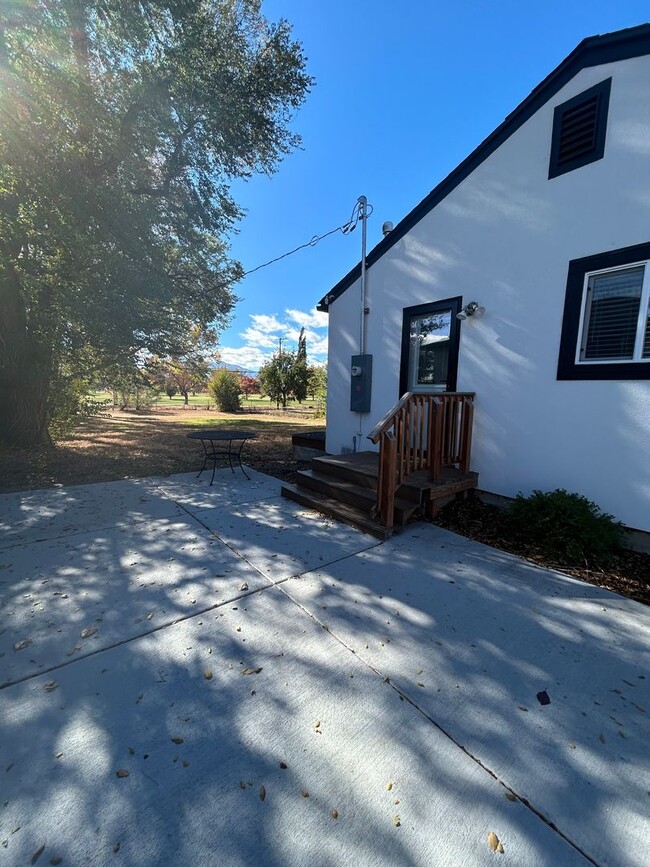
<point>211,675</point>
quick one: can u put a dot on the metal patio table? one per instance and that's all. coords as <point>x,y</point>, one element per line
<point>215,448</point>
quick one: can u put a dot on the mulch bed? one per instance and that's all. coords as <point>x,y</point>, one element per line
<point>628,574</point>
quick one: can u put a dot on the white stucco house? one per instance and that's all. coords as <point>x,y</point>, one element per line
<point>546,225</point>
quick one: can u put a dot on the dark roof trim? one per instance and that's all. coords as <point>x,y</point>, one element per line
<point>593,51</point>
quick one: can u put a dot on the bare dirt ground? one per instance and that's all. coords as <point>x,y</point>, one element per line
<point>127,444</point>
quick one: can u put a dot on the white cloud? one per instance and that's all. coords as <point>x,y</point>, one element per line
<point>311,319</point>
<point>266,323</point>
<point>261,337</point>
<point>247,357</point>
<point>255,337</point>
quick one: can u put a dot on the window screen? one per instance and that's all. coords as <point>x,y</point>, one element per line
<point>612,319</point>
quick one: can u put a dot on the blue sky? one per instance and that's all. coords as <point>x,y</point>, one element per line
<point>403,93</point>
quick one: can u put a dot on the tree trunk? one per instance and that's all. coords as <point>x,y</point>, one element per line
<point>25,370</point>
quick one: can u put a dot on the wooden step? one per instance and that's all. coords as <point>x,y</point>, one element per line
<point>345,491</point>
<point>362,470</point>
<point>334,509</point>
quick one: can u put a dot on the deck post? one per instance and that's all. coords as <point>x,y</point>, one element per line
<point>387,473</point>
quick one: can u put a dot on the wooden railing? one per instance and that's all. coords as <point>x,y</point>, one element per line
<point>421,432</point>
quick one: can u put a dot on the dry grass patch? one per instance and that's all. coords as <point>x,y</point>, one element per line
<point>127,444</point>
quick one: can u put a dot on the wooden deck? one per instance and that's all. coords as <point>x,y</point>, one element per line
<point>418,486</point>
<point>345,487</point>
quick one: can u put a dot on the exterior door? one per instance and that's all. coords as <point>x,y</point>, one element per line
<point>430,336</point>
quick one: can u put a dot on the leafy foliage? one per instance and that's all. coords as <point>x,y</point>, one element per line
<point>286,375</point>
<point>317,383</point>
<point>224,387</point>
<point>249,385</point>
<point>567,527</point>
<point>122,126</point>
<point>189,371</point>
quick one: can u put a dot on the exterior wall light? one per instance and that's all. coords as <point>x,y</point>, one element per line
<point>471,309</point>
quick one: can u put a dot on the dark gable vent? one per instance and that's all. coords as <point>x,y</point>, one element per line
<point>579,129</point>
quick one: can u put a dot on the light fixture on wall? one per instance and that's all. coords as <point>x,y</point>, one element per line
<point>471,309</point>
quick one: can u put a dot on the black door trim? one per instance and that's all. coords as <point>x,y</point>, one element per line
<point>453,304</point>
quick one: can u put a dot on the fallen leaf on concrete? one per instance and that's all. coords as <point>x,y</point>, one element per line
<point>334,814</point>
<point>244,587</point>
<point>397,821</point>
<point>492,841</point>
<point>176,740</point>
<point>88,631</point>
<point>542,697</point>
<point>262,793</point>
<point>21,645</point>
<point>50,686</point>
<point>37,854</point>
<point>122,773</point>
<point>251,671</point>
<point>207,674</point>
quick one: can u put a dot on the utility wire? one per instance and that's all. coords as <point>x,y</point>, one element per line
<point>345,229</point>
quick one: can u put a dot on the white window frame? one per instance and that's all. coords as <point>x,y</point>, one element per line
<point>644,312</point>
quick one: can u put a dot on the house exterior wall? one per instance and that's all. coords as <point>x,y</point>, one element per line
<point>504,237</point>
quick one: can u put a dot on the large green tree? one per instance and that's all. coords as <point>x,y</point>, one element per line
<point>122,125</point>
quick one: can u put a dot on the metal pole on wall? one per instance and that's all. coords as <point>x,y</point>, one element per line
<point>363,214</point>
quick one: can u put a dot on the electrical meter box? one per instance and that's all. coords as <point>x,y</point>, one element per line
<point>360,383</point>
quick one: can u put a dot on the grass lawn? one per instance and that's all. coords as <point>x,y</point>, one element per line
<point>127,444</point>
<point>206,401</point>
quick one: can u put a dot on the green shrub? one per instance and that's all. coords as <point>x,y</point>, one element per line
<point>566,527</point>
<point>224,388</point>
<point>70,402</point>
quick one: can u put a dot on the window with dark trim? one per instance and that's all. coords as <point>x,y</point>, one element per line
<point>606,325</point>
<point>579,130</point>
<point>430,340</point>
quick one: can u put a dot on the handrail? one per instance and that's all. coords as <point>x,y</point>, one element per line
<point>428,430</point>
<point>387,421</point>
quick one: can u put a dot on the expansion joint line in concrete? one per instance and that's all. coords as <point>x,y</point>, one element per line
<point>405,697</point>
<point>257,569</point>
<point>132,638</point>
